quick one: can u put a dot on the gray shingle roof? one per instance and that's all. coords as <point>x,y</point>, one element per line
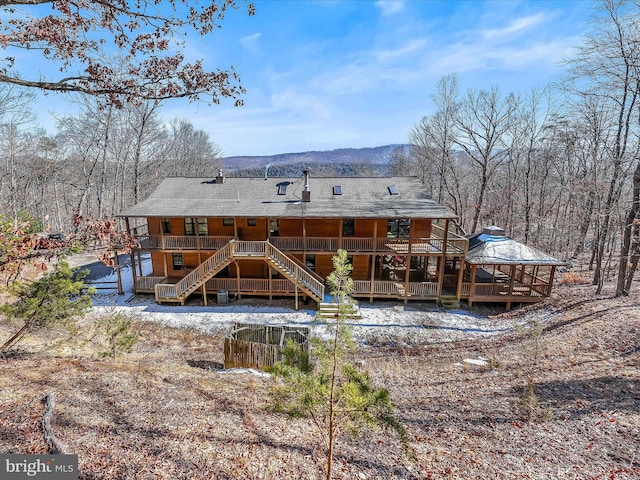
<point>256,197</point>
<point>498,250</point>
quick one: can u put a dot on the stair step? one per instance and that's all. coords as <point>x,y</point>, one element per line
<point>450,302</point>
<point>329,310</point>
<point>328,315</point>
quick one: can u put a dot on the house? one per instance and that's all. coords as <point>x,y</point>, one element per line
<point>276,237</point>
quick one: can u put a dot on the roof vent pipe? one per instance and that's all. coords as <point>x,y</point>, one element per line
<point>306,193</point>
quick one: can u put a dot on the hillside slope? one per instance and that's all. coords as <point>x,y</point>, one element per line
<point>167,412</point>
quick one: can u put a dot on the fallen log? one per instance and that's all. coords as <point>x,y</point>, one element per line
<point>54,445</point>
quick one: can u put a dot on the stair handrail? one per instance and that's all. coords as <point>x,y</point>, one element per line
<point>199,275</point>
<point>300,274</point>
<point>304,267</point>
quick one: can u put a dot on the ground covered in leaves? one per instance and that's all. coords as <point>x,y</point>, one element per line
<point>561,404</point>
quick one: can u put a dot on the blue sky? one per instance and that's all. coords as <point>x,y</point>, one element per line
<point>329,74</point>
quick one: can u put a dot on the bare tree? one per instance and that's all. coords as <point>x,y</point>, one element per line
<point>483,124</point>
<point>15,114</point>
<point>606,65</point>
<point>190,151</point>
<point>76,39</point>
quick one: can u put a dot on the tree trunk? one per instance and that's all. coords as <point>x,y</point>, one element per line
<point>14,338</point>
<point>625,276</point>
<point>55,447</point>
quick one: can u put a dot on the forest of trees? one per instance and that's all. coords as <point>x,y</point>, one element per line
<point>557,167</point>
<point>100,160</point>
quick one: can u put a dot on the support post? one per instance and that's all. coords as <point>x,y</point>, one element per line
<point>407,260</point>
<point>132,259</point>
<point>472,286</point>
<point>372,277</point>
<point>238,283</point>
<point>118,274</point>
<point>443,259</point>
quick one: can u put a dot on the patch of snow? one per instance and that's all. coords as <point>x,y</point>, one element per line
<point>245,371</point>
<point>481,362</point>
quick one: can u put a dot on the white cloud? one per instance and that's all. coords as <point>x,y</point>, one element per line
<point>516,26</point>
<point>251,43</point>
<point>300,105</point>
<point>390,7</point>
<point>251,38</point>
<point>411,47</point>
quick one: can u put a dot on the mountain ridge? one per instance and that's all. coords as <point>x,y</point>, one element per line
<point>381,155</point>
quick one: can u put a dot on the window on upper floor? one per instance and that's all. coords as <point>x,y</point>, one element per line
<point>274,227</point>
<point>348,226</point>
<point>251,222</point>
<point>398,228</point>
<point>228,222</point>
<point>166,225</point>
<point>191,223</point>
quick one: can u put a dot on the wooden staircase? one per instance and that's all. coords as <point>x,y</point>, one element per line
<point>447,301</point>
<point>329,310</point>
<point>296,273</point>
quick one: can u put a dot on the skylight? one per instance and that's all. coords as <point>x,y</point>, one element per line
<point>337,189</point>
<point>393,190</point>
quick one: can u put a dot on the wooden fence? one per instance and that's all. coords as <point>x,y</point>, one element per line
<point>258,346</point>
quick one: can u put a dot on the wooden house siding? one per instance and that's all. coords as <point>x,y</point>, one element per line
<point>400,245</point>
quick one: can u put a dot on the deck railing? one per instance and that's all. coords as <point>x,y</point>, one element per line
<point>147,284</point>
<point>430,245</point>
<point>252,285</point>
<point>455,243</point>
<point>182,242</point>
<point>416,290</point>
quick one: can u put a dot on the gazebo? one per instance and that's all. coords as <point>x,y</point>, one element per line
<point>501,270</point>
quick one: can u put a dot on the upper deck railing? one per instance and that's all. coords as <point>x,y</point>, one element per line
<point>455,245</point>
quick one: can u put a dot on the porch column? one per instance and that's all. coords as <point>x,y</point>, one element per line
<point>166,269</point>
<point>304,240</point>
<point>132,259</point>
<point>372,277</point>
<point>373,259</point>
<point>443,259</point>
<point>461,271</point>
<point>512,274</point>
<point>406,276</point>
<point>238,279</point>
<point>472,286</point>
<point>119,276</point>
<point>139,261</point>
<point>552,275</point>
